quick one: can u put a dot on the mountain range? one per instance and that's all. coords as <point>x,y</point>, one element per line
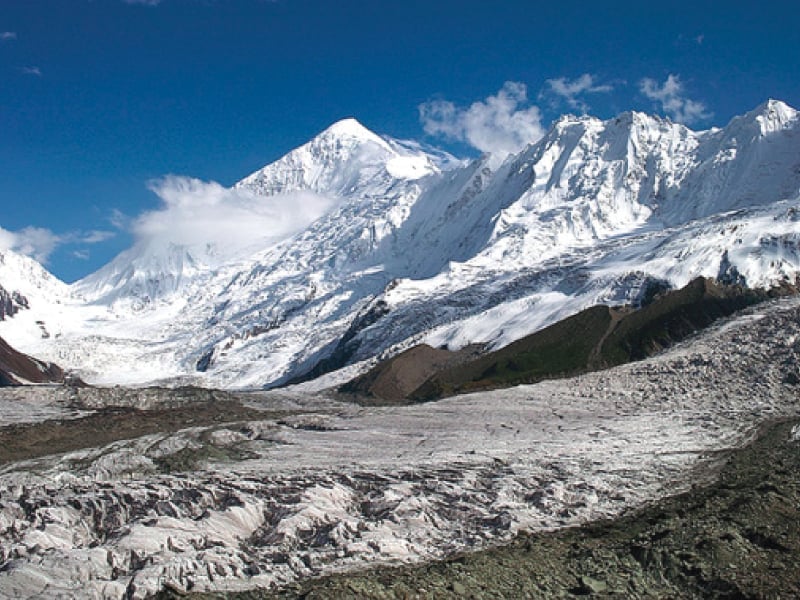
<point>417,247</point>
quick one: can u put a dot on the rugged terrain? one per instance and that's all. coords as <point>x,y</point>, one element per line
<point>738,537</point>
<point>415,247</point>
<point>596,338</point>
<point>289,486</point>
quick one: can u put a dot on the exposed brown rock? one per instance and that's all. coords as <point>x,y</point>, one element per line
<point>596,338</point>
<point>394,380</point>
<point>17,368</point>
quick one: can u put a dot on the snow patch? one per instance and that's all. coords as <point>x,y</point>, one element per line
<point>409,167</point>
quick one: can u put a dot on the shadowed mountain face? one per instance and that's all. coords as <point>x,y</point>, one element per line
<point>595,338</point>
<point>17,368</point>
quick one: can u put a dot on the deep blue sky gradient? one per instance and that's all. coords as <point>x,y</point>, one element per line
<point>215,89</point>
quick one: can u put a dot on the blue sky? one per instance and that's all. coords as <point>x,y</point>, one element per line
<point>100,97</point>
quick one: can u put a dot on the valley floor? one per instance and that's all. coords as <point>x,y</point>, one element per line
<point>281,487</point>
<point>736,538</point>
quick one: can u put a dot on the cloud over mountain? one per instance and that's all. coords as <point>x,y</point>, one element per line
<point>196,212</point>
<point>501,124</point>
<point>670,97</point>
<point>573,91</point>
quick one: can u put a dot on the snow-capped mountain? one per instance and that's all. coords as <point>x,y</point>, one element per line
<point>145,273</point>
<point>415,246</point>
<point>344,161</point>
<point>25,284</point>
<point>23,276</point>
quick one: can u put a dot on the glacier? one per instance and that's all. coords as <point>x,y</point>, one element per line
<point>324,486</point>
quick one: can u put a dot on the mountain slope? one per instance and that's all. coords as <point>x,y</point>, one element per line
<point>595,338</point>
<point>28,293</point>
<point>343,162</point>
<point>419,248</point>
<point>17,368</point>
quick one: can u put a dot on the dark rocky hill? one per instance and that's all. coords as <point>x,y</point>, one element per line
<point>596,338</point>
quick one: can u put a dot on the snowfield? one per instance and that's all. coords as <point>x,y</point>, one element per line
<point>334,486</point>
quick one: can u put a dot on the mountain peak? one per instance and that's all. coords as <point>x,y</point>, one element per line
<point>350,128</point>
<point>772,115</point>
<point>776,106</point>
<point>568,119</point>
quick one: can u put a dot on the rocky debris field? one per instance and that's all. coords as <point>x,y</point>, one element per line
<point>111,424</point>
<point>287,487</point>
<point>738,537</point>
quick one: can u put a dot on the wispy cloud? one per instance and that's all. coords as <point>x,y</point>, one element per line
<point>143,2</point>
<point>501,124</point>
<point>35,242</point>
<point>39,243</point>
<point>95,236</point>
<point>6,36</point>
<point>196,212</point>
<point>672,100</point>
<point>31,71</point>
<point>119,220</point>
<point>688,40</point>
<point>573,91</point>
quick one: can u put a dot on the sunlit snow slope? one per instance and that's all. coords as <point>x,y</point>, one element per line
<point>416,246</point>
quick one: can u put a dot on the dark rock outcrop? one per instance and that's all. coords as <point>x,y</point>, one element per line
<point>17,368</point>
<point>346,347</point>
<point>11,303</point>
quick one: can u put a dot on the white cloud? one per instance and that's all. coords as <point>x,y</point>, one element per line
<point>7,239</point>
<point>35,242</point>
<point>571,91</point>
<point>203,213</point>
<point>143,2</point>
<point>501,124</point>
<point>8,35</point>
<point>95,236</point>
<point>670,97</point>
<point>31,71</point>
<point>39,243</point>
<point>192,213</point>
<point>119,220</point>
